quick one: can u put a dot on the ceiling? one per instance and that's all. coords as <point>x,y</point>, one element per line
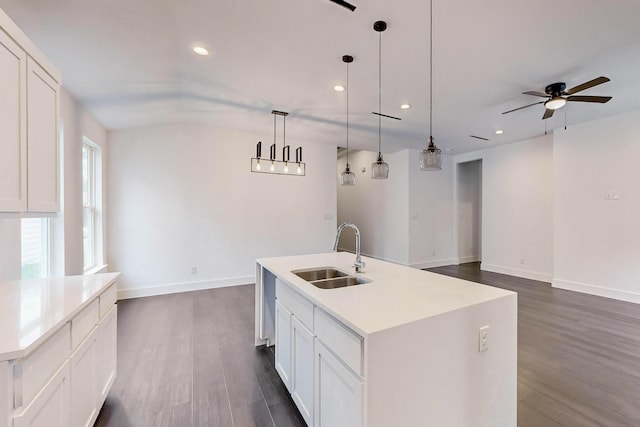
<point>130,64</point>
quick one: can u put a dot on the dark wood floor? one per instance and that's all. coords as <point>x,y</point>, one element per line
<point>578,355</point>
<point>188,360</point>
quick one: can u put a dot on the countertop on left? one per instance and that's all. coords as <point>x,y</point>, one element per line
<point>31,310</point>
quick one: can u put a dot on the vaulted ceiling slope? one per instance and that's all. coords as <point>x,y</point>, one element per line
<point>130,63</point>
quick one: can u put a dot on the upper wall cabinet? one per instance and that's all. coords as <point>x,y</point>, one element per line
<point>29,120</point>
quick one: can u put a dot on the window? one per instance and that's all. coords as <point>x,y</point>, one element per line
<point>88,206</point>
<point>35,248</point>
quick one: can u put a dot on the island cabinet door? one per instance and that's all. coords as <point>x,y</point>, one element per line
<point>339,392</point>
<point>283,344</point>
<point>302,381</point>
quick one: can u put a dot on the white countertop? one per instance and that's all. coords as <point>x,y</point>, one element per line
<point>396,295</point>
<point>31,310</point>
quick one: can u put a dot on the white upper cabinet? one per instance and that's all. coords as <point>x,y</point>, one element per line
<point>42,139</point>
<point>29,121</point>
<point>13,142</point>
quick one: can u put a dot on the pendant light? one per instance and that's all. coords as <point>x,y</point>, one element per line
<point>430,156</point>
<point>275,166</point>
<point>379,169</point>
<point>347,177</point>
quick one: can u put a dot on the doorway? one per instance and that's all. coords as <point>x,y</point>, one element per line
<point>469,211</point>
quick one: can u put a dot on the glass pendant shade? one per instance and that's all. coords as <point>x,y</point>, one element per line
<point>347,177</point>
<point>431,157</point>
<point>379,169</point>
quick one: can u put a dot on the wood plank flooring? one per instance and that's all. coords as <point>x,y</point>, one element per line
<point>578,355</point>
<point>188,360</point>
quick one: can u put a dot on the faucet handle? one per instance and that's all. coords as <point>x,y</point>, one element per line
<point>359,266</point>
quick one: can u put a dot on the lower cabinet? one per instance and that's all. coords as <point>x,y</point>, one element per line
<point>318,359</point>
<point>283,344</point>
<point>50,407</point>
<point>302,376</point>
<point>339,392</point>
<point>84,397</point>
<point>107,344</point>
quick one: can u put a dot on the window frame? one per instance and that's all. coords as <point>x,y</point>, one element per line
<point>89,206</point>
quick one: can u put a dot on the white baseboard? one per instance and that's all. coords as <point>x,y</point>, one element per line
<point>435,263</point>
<point>597,290</point>
<point>533,275</point>
<point>173,288</point>
<point>466,259</point>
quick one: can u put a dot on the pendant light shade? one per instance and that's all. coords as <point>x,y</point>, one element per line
<point>379,169</point>
<point>430,156</point>
<point>347,177</point>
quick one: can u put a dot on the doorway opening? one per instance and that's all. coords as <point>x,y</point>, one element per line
<point>469,211</point>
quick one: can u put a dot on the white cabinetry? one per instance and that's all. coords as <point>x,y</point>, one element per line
<point>319,360</point>
<point>29,116</point>
<point>65,380</point>
<point>283,341</point>
<point>339,397</point>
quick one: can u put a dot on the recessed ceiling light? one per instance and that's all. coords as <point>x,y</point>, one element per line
<point>499,132</point>
<point>339,88</point>
<point>447,149</point>
<point>405,106</point>
<point>201,51</point>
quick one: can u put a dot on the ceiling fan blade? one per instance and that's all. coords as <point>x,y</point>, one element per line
<point>547,113</point>
<point>587,85</point>
<point>344,4</point>
<point>526,106</point>
<point>535,93</point>
<point>600,99</point>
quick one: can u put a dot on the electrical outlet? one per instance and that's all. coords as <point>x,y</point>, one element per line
<point>521,261</point>
<point>194,270</point>
<point>483,339</point>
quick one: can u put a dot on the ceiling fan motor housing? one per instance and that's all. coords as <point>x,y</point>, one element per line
<point>555,89</point>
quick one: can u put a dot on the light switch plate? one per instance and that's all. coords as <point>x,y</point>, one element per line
<point>483,339</point>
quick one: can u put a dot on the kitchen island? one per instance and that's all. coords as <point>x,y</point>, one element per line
<point>57,349</point>
<point>408,348</point>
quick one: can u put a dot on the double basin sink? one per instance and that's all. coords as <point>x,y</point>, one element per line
<point>329,278</point>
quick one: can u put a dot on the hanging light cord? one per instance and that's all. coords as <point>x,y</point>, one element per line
<point>379,91</point>
<point>431,70</point>
<point>348,114</point>
<point>284,134</point>
<point>274,128</point>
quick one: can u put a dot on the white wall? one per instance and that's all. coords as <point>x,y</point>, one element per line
<point>597,241</point>
<point>431,214</point>
<point>183,196</point>
<point>517,207</point>
<point>66,251</point>
<point>379,207</point>
<point>469,211</point>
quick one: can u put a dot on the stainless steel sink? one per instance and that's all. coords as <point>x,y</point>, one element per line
<point>339,282</point>
<point>319,274</point>
<point>329,278</point>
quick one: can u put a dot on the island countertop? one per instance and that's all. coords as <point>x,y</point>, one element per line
<point>31,310</point>
<point>396,294</point>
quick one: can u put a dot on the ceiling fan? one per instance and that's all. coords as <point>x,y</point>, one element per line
<point>344,4</point>
<point>557,96</point>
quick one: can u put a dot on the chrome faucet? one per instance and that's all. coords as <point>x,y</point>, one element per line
<point>358,264</point>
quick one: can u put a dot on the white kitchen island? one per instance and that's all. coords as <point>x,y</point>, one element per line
<point>57,349</point>
<point>401,350</point>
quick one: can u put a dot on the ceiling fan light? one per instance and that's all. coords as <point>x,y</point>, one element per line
<point>555,103</point>
<point>430,157</point>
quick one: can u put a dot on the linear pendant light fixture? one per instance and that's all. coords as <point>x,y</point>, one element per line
<point>379,169</point>
<point>272,165</point>
<point>430,156</point>
<point>347,177</point>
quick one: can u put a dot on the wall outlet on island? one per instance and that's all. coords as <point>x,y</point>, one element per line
<point>194,270</point>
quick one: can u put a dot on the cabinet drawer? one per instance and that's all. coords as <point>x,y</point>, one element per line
<point>345,343</point>
<point>83,323</point>
<point>299,306</point>
<point>107,299</point>
<point>33,372</point>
